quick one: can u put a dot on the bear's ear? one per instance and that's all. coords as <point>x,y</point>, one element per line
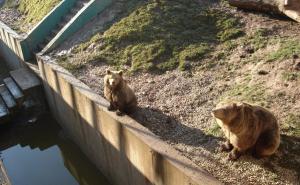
<point>120,73</point>
<point>234,106</point>
<point>247,108</point>
<point>108,71</point>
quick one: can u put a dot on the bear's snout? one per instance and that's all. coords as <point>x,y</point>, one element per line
<point>218,113</point>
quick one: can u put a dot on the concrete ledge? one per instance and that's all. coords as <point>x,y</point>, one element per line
<point>126,152</point>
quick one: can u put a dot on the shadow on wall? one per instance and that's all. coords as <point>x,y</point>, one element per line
<point>11,59</point>
<point>120,150</point>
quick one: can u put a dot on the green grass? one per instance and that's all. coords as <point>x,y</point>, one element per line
<point>257,40</point>
<point>291,125</point>
<point>288,48</point>
<point>215,130</point>
<point>254,94</point>
<point>35,10</point>
<point>163,35</point>
<point>290,76</point>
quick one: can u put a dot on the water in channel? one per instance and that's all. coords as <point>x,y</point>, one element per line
<point>41,154</point>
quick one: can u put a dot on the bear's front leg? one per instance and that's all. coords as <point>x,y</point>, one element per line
<point>226,147</point>
<point>111,107</point>
<point>121,109</point>
<point>234,154</point>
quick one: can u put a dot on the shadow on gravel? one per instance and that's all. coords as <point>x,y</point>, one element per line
<point>287,157</point>
<point>290,149</point>
<point>172,130</point>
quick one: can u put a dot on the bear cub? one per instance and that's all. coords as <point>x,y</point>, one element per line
<point>247,127</point>
<point>118,93</point>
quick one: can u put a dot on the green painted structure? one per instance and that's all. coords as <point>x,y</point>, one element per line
<point>43,29</point>
<point>24,47</point>
<point>77,22</point>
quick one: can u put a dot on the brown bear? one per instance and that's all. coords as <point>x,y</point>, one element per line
<point>118,93</point>
<point>247,127</point>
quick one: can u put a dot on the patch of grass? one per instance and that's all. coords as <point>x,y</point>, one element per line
<point>192,53</point>
<point>215,130</point>
<point>259,39</point>
<point>73,65</point>
<point>162,35</point>
<point>290,76</point>
<point>287,49</point>
<point>35,10</point>
<point>247,93</point>
<point>291,125</point>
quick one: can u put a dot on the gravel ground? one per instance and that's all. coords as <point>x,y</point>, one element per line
<point>11,17</point>
<point>177,105</point>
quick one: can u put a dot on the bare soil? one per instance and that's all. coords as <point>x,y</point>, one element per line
<point>177,105</point>
<point>11,17</point>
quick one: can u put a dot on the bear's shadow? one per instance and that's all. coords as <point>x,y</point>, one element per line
<point>172,130</point>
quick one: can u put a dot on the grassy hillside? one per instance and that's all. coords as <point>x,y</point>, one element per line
<point>35,10</point>
<point>163,35</point>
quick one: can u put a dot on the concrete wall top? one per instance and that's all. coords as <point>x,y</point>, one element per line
<point>150,156</point>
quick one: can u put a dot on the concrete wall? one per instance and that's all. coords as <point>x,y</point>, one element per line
<point>126,152</point>
<point>11,47</point>
<point>77,22</point>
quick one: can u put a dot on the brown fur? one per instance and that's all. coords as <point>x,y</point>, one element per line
<point>248,127</point>
<point>118,93</point>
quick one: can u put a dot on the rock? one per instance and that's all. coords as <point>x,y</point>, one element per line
<point>151,81</point>
<point>243,55</point>
<point>62,53</point>
<point>91,47</point>
<point>297,66</point>
<point>186,65</point>
<point>292,9</point>
<point>262,72</point>
<point>295,56</point>
<point>248,49</point>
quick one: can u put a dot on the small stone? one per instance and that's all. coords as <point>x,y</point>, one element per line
<point>91,47</point>
<point>151,81</point>
<point>243,55</point>
<point>262,72</point>
<point>249,49</point>
<point>295,56</point>
<point>297,66</point>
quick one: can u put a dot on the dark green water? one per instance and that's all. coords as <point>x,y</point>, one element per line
<point>41,154</point>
